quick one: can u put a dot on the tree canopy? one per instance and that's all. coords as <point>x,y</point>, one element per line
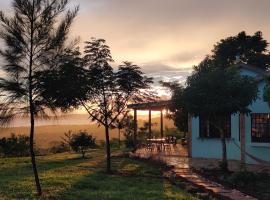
<point>219,93</point>
<point>250,49</point>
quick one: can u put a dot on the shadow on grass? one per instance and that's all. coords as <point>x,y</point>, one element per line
<point>130,179</point>
<point>17,176</point>
<point>66,176</point>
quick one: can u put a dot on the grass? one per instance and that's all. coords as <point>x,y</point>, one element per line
<point>66,176</point>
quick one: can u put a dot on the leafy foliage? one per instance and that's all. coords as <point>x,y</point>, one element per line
<point>249,49</point>
<point>82,141</point>
<point>219,93</point>
<point>33,43</point>
<point>15,146</point>
<point>111,91</point>
<point>65,85</point>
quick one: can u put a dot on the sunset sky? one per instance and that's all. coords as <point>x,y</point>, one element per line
<point>165,37</point>
<point>166,34</point>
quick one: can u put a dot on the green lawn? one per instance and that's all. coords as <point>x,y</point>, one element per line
<point>66,176</point>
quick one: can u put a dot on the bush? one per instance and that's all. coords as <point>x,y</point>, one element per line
<point>81,142</point>
<point>247,180</point>
<point>15,146</point>
<point>58,147</point>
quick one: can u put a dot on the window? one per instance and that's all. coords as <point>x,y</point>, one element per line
<point>260,127</point>
<point>207,130</point>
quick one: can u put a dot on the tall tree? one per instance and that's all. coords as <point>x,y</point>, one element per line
<point>250,49</point>
<point>111,91</point>
<point>214,93</point>
<point>33,38</point>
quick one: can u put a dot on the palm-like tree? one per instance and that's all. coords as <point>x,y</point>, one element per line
<point>33,39</point>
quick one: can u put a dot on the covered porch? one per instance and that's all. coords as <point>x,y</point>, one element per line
<point>161,144</point>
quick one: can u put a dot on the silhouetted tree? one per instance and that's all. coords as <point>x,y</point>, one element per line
<point>82,141</point>
<point>250,49</point>
<point>111,91</point>
<point>216,93</point>
<point>92,83</point>
<point>33,38</point>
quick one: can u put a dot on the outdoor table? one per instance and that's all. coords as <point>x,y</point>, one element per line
<point>158,141</point>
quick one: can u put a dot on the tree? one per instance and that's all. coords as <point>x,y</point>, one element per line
<point>249,49</point>
<point>82,141</point>
<point>91,82</point>
<point>178,113</point>
<point>214,93</point>
<point>33,38</point>
<point>111,91</point>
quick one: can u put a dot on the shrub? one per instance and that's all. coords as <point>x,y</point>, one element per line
<point>81,142</point>
<point>15,146</point>
<point>59,147</point>
<point>244,179</point>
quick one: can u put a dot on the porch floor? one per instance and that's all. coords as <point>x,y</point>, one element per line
<point>178,156</point>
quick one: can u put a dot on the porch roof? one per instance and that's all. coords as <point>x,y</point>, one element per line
<point>155,106</point>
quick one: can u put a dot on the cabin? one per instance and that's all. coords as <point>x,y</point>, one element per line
<point>248,136</point>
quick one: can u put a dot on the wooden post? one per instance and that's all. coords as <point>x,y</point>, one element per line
<point>135,128</point>
<point>189,136</point>
<point>161,123</point>
<point>242,139</point>
<point>150,124</point>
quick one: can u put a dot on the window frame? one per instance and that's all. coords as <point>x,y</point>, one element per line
<point>261,139</point>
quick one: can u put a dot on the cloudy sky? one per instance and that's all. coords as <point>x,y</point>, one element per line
<point>165,37</point>
<point>166,34</point>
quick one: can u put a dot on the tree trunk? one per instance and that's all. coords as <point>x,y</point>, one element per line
<point>31,105</point>
<point>224,162</point>
<point>32,152</point>
<point>119,138</point>
<point>108,149</point>
<point>83,154</point>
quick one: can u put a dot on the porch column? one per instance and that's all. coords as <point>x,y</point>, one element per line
<point>242,139</point>
<point>161,123</point>
<point>150,124</point>
<point>189,136</point>
<point>135,128</point>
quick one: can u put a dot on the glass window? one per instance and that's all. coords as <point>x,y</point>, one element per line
<point>260,127</point>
